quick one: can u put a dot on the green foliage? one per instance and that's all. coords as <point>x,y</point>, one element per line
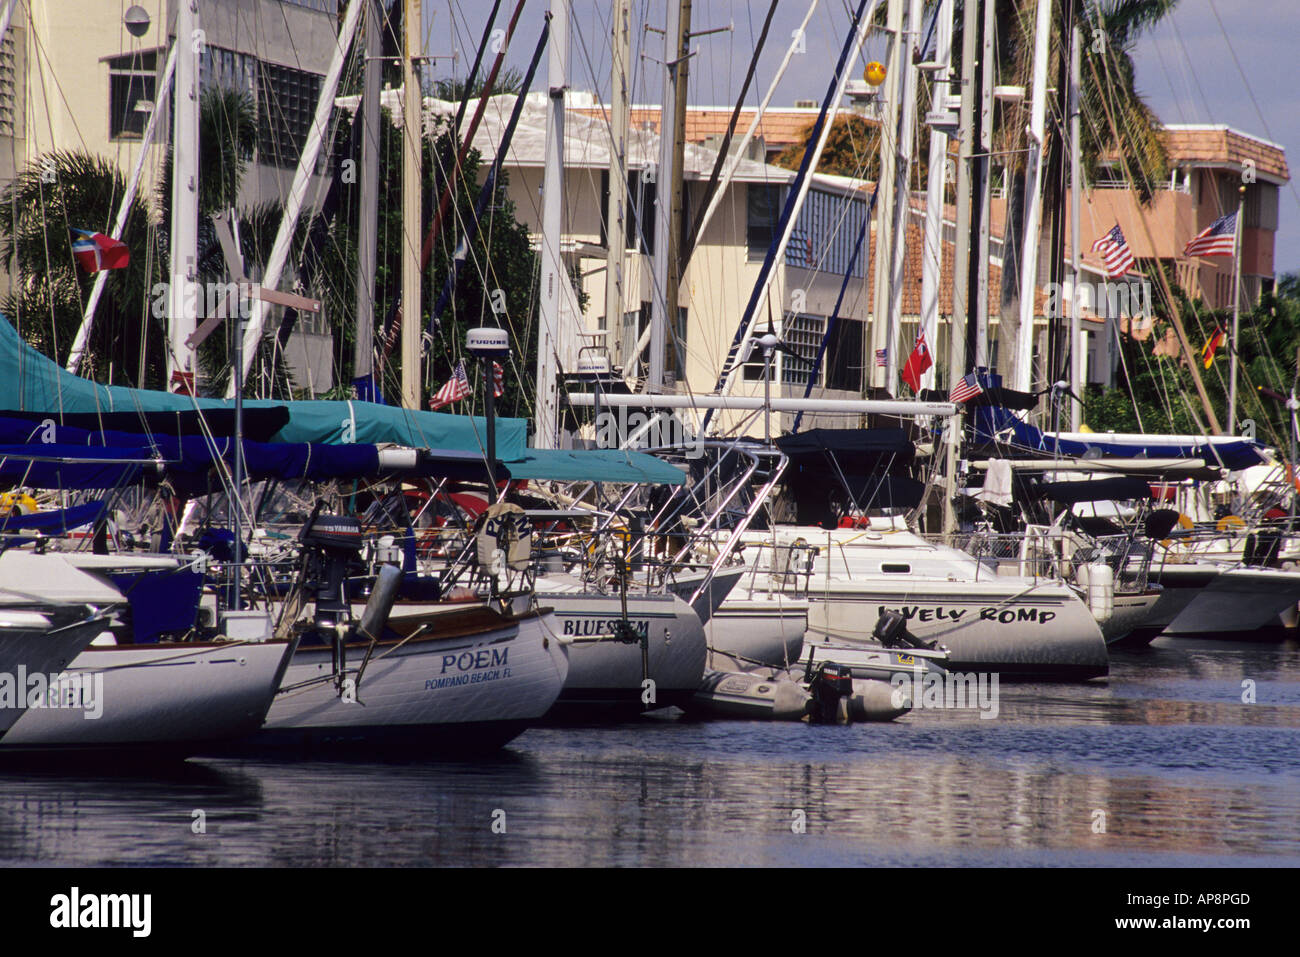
<point>509,80</point>
<point>55,193</point>
<point>498,258</point>
<point>1163,390</point>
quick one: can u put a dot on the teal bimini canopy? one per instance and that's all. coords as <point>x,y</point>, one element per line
<point>594,465</point>
<point>37,384</point>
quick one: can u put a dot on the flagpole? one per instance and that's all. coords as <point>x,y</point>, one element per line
<point>123,211</point>
<point>1236,312</point>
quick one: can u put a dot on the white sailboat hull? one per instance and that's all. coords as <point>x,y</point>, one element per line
<point>167,698</point>
<point>1233,602</point>
<point>457,688</point>
<point>1038,629</point>
<point>27,648</point>
<point>607,676</point>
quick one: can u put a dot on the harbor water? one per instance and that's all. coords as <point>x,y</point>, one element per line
<point>1169,762</point>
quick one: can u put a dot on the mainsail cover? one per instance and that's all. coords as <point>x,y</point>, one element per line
<point>37,384</point>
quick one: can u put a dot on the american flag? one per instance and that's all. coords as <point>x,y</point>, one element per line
<point>1217,239</point>
<point>498,380</point>
<point>1114,252</point>
<point>882,356</point>
<point>453,390</point>
<point>966,389</point>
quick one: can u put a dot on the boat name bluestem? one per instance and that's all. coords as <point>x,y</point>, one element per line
<point>602,626</point>
<point>61,690</point>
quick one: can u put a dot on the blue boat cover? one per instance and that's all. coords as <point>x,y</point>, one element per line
<point>41,385</point>
<point>1240,454</point>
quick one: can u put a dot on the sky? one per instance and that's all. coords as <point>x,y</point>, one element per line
<point>1185,67</point>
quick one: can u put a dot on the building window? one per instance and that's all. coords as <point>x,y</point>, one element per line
<point>132,86</point>
<point>803,334</point>
<point>640,206</point>
<point>286,105</point>
<point>11,88</point>
<point>763,210</point>
<point>826,232</point>
<point>228,70</point>
<point>844,356</point>
<point>1261,206</point>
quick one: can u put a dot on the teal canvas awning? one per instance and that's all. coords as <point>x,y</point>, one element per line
<point>37,384</point>
<point>593,465</point>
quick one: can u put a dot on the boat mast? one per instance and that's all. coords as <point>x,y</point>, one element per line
<point>977,323</point>
<point>672,122</point>
<point>412,137</point>
<point>616,209</point>
<point>932,246</point>
<point>1023,367</point>
<point>961,253</point>
<point>1076,331</point>
<point>363,359</point>
<point>185,203</point>
<point>879,376</point>
<point>1234,354</point>
<point>737,156</point>
<point>553,275</point>
<point>902,193</point>
<point>297,195</point>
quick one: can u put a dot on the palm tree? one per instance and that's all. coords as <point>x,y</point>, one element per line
<point>58,192</point>
<point>1109,105</point>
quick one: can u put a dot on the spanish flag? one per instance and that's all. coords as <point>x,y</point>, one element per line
<point>1215,340</point>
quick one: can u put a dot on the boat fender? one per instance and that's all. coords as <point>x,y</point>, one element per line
<point>1098,579</point>
<point>380,603</point>
<point>873,700</point>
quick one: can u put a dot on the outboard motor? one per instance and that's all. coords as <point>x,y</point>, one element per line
<point>331,545</point>
<point>831,687</point>
<point>891,631</point>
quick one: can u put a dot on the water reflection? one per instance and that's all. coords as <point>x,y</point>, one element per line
<point>1182,770</point>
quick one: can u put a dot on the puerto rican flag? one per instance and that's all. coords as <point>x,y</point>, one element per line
<point>95,251</point>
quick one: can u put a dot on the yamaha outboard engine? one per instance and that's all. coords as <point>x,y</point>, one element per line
<point>831,687</point>
<point>331,546</point>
